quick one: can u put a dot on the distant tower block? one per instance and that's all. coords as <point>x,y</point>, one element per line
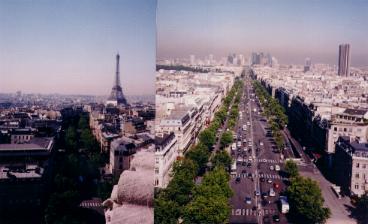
<point>117,97</point>
<point>344,60</point>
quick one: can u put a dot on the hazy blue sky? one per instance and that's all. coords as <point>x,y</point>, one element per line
<point>69,46</point>
<point>291,30</point>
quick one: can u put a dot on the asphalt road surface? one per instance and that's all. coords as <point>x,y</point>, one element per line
<point>254,160</point>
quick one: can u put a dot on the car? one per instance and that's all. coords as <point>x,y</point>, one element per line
<point>276,218</point>
<point>250,158</point>
<point>276,185</point>
<point>245,149</point>
<point>249,165</point>
<point>261,143</point>
<point>269,181</point>
<point>264,195</point>
<point>239,144</point>
<point>250,175</point>
<point>237,179</point>
<point>244,171</point>
<point>257,193</point>
<point>262,179</point>
<point>245,140</point>
<point>277,167</point>
<point>272,193</point>
<point>244,163</point>
<point>272,168</point>
<point>248,200</point>
<point>240,159</point>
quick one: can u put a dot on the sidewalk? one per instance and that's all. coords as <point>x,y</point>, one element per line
<point>339,207</point>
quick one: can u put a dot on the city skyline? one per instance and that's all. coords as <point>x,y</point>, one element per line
<point>289,30</point>
<point>45,47</point>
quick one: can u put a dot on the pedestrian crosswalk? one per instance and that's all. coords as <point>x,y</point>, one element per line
<point>265,175</point>
<point>251,212</point>
<point>269,161</point>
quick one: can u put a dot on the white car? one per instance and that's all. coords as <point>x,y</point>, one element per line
<point>277,168</point>
<point>272,168</point>
<point>233,146</point>
<point>240,159</point>
<point>250,158</point>
<point>272,193</point>
<point>261,143</point>
<point>239,144</point>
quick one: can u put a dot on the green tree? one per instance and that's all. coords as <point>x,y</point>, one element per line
<point>306,201</point>
<point>226,138</point>
<point>214,210</point>
<point>291,168</point>
<point>221,158</point>
<point>182,182</point>
<point>199,154</point>
<point>361,209</point>
<point>87,139</point>
<point>61,205</point>
<point>231,123</point>
<point>83,122</point>
<point>166,211</point>
<point>207,138</point>
<point>215,182</point>
<point>71,139</point>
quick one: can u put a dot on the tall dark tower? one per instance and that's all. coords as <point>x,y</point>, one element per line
<point>117,97</point>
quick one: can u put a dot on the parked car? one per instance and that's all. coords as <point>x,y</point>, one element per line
<point>277,168</point>
<point>276,218</point>
<point>272,193</point>
<point>248,200</point>
<point>237,180</point>
<point>257,193</point>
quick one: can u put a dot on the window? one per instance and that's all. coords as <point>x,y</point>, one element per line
<point>344,129</point>
<point>356,186</point>
<point>156,171</point>
<point>364,166</point>
<point>335,128</point>
<point>357,165</point>
<point>357,175</point>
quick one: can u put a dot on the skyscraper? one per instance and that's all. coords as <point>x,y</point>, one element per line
<point>344,59</point>
<point>117,97</point>
<point>308,64</point>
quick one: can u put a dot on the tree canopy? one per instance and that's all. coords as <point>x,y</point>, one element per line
<point>306,201</point>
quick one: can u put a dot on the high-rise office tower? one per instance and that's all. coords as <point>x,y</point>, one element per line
<point>344,59</point>
<point>117,97</point>
<point>308,64</point>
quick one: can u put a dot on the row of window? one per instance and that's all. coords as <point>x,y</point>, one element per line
<point>357,176</point>
<point>347,129</point>
<point>356,187</point>
<point>364,166</point>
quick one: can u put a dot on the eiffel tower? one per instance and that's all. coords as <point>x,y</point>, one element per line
<point>117,97</point>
